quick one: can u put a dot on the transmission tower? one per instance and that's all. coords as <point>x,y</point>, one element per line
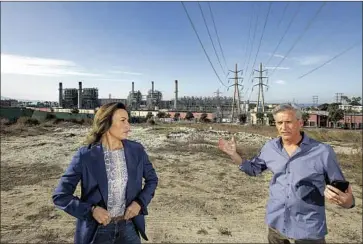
<point>261,99</point>
<point>236,96</point>
<point>219,107</point>
<point>315,101</point>
<point>338,97</point>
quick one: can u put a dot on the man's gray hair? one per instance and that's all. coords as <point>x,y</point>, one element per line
<point>287,107</point>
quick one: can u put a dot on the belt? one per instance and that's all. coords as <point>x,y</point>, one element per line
<point>117,218</point>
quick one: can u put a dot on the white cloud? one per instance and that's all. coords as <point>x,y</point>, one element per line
<point>277,55</point>
<point>312,60</point>
<point>281,82</point>
<point>115,79</point>
<point>278,68</point>
<point>125,72</point>
<point>22,65</point>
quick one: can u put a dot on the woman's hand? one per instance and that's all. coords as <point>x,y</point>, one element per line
<point>101,215</point>
<point>132,210</point>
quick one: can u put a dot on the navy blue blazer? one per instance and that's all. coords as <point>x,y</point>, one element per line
<point>88,166</point>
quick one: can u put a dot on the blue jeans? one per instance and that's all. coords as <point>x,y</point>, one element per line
<point>122,232</point>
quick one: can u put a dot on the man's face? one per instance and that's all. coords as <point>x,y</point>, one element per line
<point>288,126</point>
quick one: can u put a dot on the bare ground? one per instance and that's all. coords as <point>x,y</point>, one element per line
<point>201,197</point>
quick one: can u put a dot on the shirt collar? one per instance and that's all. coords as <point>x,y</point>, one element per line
<point>304,141</point>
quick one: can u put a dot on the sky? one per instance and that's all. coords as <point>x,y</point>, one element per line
<point>108,45</point>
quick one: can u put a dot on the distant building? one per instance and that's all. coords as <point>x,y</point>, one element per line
<point>9,103</point>
<point>350,121</point>
<point>321,119</point>
<point>81,98</point>
<point>348,107</point>
<point>103,101</point>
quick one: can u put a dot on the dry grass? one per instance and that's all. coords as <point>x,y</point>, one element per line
<point>320,134</point>
<point>46,212</point>
<point>352,165</point>
<point>202,232</point>
<point>26,126</point>
<point>199,144</point>
<point>201,196</point>
<point>346,136</point>
<point>13,176</point>
<point>225,232</point>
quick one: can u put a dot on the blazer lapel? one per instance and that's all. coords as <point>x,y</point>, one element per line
<point>99,168</point>
<point>128,158</point>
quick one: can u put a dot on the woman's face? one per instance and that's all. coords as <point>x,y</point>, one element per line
<point>120,126</point>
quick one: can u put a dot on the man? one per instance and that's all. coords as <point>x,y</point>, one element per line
<point>301,167</point>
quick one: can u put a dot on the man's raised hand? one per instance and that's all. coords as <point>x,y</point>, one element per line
<point>228,147</point>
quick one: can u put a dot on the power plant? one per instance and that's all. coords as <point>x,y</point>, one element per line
<point>87,98</point>
<point>81,98</point>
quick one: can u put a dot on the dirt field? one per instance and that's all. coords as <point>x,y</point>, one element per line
<point>201,197</point>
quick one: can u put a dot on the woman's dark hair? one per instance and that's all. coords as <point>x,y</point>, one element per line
<point>102,122</point>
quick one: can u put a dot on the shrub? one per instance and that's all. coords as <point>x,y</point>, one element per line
<point>5,121</point>
<point>50,116</point>
<point>74,111</point>
<point>151,122</point>
<point>27,121</point>
<point>189,115</point>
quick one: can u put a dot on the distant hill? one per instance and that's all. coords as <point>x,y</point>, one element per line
<point>5,98</point>
<point>22,100</point>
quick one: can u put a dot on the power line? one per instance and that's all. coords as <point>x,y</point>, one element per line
<point>327,62</point>
<point>205,52</point>
<point>215,28</point>
<point>253,40</point>
<point>210,37</point>
<point>283,36</point>
<point>283,15</point>
<point>263,31</point>
<point>249,37</point>
<point>249,96</point>
<point>302,34</point>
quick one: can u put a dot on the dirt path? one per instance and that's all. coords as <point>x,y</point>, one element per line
<point>201,196</point>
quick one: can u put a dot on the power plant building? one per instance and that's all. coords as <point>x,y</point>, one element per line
<point>87,98</point>
<point>81,98</point>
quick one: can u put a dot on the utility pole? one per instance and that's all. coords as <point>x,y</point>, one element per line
<point>260,85</point>
<point>218,93</point>
<point>236,95</point>
<point>315,101</point>
<point>338,97</point>
<point>219,108</point>
<point>218,98</point>
<point>315,105</point>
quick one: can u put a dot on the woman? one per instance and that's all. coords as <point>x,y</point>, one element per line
<point>113,203</point>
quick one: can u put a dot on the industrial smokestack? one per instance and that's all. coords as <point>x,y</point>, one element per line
<point>152,94</point>
<point>109,96</point>
<point>132,88</point>
<point>80,95</point>
<point>176,95</point>
<point>60,94</point>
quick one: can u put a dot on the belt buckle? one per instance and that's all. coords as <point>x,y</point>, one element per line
<point>117,219</point>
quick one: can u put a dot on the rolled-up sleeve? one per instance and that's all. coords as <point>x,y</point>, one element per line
<point>331,166</point>
<point>332,169</point>
<point>256,165</point>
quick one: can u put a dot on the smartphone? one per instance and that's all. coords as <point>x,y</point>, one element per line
<point>342,185</point>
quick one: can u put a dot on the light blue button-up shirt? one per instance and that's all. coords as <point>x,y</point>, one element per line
<point>296,206</point>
